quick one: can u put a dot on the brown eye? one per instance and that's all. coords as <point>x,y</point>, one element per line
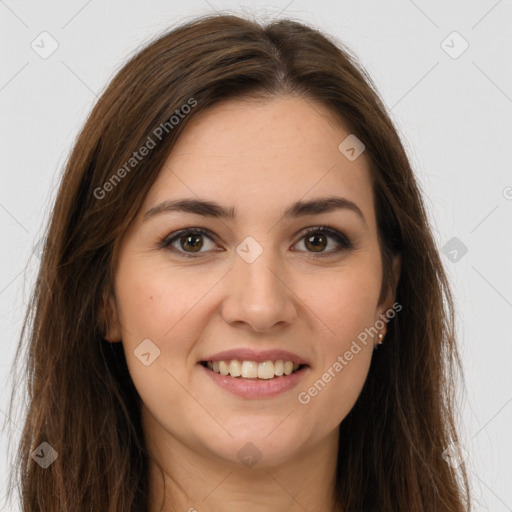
<point>187,242</point>
<point>194,242</point>
<point>316,242</point>
<point>190,242</point>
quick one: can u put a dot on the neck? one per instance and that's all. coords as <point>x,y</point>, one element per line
<point>194,482</point>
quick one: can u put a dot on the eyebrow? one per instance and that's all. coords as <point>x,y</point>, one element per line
<point>215,210</point>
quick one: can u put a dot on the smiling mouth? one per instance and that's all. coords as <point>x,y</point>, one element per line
<point>251,370</point>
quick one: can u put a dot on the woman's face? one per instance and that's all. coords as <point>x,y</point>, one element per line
<point>254,281</point>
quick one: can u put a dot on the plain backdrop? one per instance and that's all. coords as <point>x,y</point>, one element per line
<point>444,70</point>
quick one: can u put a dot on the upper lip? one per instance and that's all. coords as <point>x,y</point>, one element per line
<point>247,354</point>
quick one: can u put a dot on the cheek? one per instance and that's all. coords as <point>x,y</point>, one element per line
<point>153,303</point>
<point>168,309</point>
<point>346,302</point>
<point>346,308</point>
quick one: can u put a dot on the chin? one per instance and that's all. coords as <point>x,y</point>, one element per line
<point>256,448</point>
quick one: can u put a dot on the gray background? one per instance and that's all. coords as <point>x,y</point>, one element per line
<point>454,115</point>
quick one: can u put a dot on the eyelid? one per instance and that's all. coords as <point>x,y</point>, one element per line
<point>340,237</point>
<point>167,241</point>
<point>344,243</point>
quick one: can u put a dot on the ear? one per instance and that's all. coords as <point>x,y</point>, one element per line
<point>390,299</point>
<point>109,319</point>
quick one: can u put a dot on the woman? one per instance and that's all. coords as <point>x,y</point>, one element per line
<point>237,230</point>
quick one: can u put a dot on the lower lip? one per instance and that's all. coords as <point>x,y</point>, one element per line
<point>265,388</point>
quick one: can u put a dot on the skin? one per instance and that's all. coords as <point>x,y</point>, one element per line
<point>258,157</point>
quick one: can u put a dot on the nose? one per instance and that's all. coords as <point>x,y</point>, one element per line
<point>258,294</point>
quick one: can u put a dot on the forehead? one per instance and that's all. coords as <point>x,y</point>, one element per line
<point>261,156</point>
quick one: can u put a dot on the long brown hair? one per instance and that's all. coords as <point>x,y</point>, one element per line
<point>81,399</point>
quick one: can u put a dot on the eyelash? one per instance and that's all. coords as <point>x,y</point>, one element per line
<point>166,243</point>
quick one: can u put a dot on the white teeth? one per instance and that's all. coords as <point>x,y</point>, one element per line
<point>235,368</point>
<point>249,369</point>
<point>252,370</point>
<point>223,368</point>
<point>266,370</point>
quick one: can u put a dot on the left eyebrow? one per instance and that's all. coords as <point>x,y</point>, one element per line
<point>212,209</point>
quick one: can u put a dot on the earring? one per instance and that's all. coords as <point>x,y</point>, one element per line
<point>380,340</point>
